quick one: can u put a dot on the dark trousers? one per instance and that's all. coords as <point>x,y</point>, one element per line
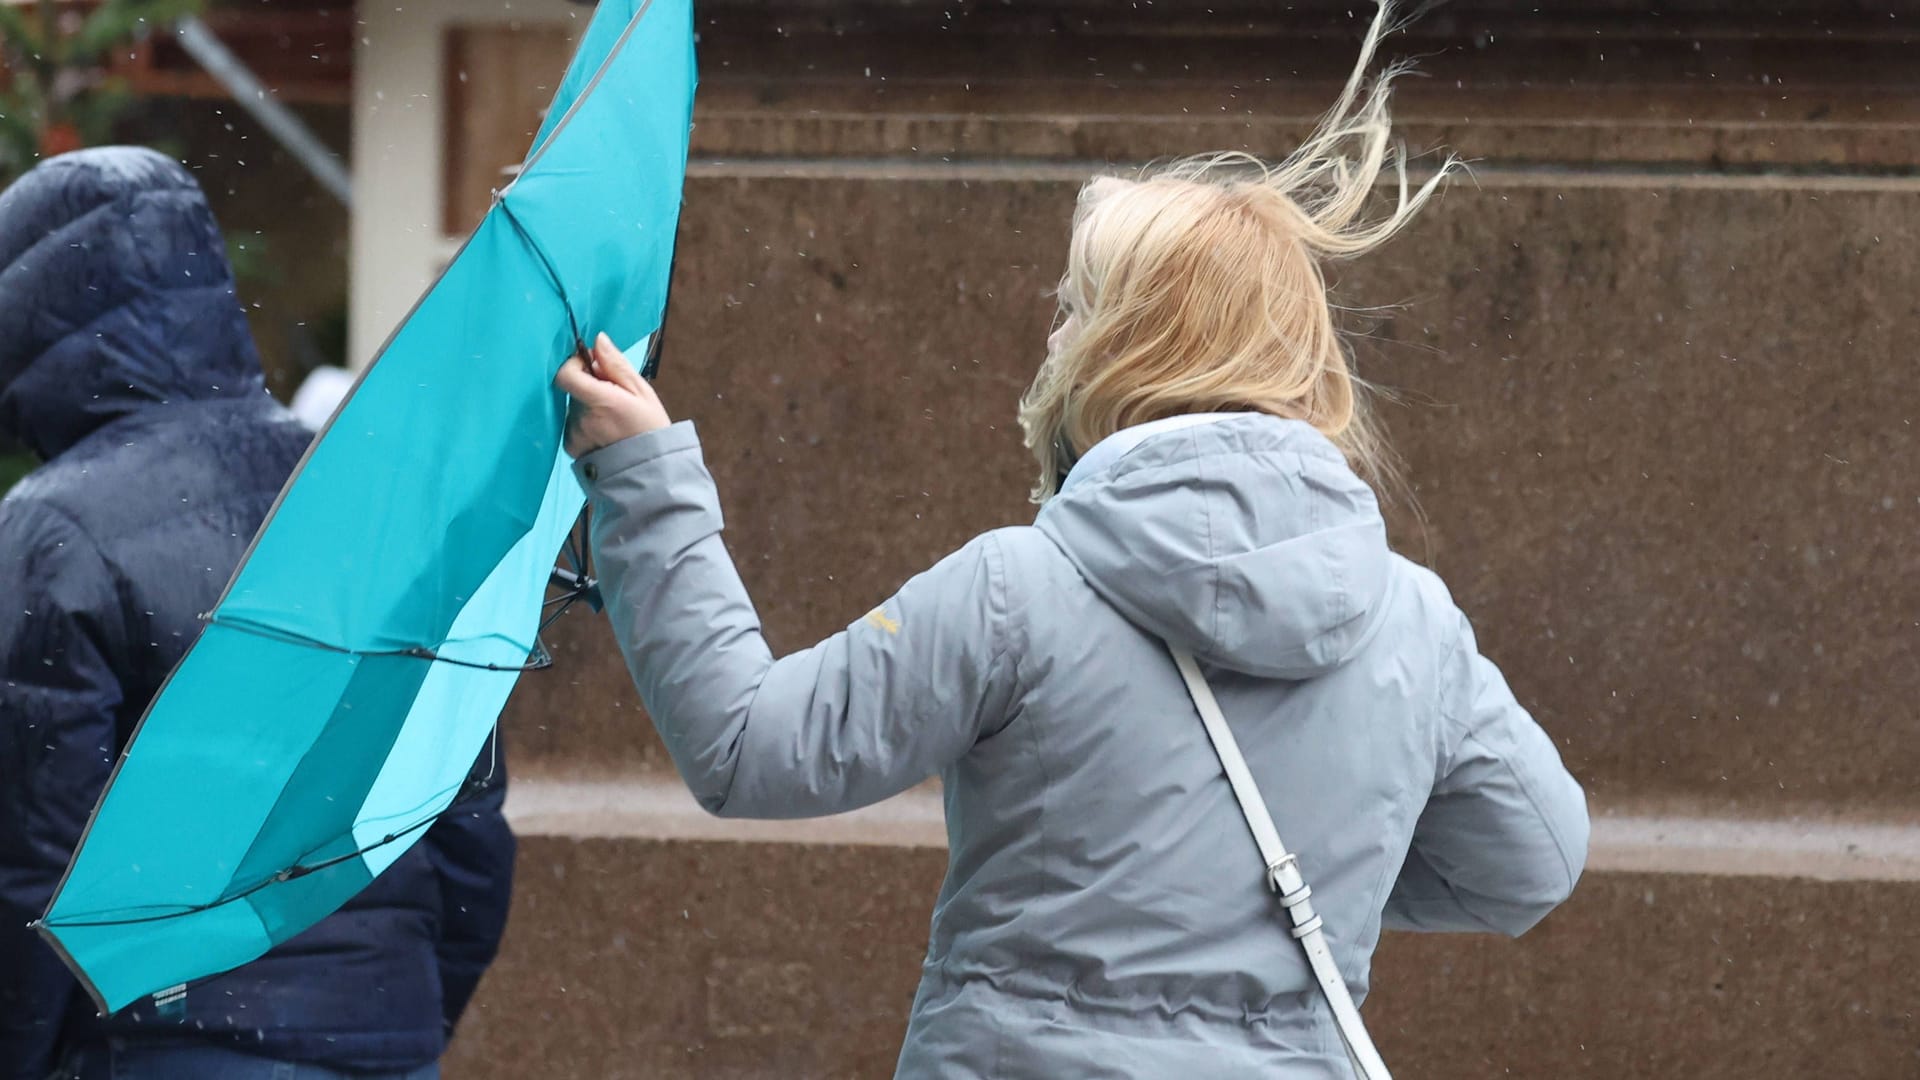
<point>131,1061</point>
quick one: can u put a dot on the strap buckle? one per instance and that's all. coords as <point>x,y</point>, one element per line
<point>1299,912</point>
<point>1274,870</point>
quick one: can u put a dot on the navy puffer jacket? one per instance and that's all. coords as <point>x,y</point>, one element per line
<point>126,365</point>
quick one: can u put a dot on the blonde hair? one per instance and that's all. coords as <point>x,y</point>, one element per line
<point>1197,287</point>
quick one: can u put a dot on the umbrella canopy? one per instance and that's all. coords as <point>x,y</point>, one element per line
<point>361,655</point>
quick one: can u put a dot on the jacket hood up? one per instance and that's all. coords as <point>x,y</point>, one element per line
<point>115,295</point>
<point>1246,539</point>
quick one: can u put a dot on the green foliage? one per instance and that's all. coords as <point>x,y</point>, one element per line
<point>58,92</point>
<point>329,331</point>
<point>247,254</point>
<point>13,24</point>
<point>19,132</point>
<point>118,21</point>
<point>12,468</point>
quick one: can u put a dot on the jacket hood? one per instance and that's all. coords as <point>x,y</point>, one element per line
<point>1245,539</point>
<point>115,295</point>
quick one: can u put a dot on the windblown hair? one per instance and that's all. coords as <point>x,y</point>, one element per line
<point>1197,287</point>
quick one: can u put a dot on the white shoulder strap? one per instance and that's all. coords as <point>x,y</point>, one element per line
<point>1283,874</point>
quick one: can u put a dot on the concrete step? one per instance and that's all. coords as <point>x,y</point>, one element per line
<point>1674,838</point>
<point>651,941</point>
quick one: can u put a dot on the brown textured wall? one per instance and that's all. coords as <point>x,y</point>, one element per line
<point>1662,433</point>
<point>1656,402</point>
<point>635,959</point>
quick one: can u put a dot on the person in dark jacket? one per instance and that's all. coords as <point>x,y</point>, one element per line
<point>127,367</point>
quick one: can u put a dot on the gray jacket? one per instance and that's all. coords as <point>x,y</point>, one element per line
<point>1104,912</point>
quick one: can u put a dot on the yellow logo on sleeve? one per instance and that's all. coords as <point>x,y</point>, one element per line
<point>878,618</point>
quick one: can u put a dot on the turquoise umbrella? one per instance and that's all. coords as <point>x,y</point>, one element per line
<point>359,659</point>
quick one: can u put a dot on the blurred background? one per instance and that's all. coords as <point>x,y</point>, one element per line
<point>1654,385</point>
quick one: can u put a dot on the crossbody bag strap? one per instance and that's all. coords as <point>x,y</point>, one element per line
<point>1283,873</point>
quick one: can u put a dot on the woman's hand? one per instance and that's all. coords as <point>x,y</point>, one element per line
<point>611,401</point>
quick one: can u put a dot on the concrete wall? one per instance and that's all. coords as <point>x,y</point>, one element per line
<point>1657,411</point>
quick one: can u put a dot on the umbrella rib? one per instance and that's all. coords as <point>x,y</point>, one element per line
<point>579,584</point>
<point>298,870</point>
<point>414,652</point>
<point>546,263</point>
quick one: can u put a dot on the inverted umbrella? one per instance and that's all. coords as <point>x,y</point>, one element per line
<point>358,661</point>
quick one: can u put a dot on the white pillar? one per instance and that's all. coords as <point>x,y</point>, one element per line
<point>399,145</point>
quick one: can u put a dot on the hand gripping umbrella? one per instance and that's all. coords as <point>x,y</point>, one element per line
<point>355,667</point>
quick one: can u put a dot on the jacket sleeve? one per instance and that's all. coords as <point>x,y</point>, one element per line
<point>1503,837</point>
<point>472,850</point>
<point>59,696</point>
<point>903,692</point>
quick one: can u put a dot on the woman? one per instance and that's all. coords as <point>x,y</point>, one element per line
<point>1201,440</point>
